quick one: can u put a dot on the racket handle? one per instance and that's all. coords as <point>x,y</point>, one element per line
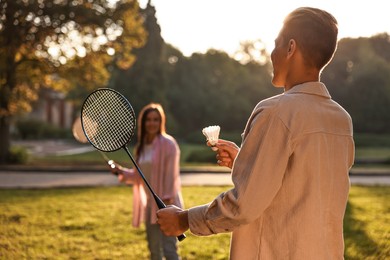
<point>161,205</point>
<point>181,237</point>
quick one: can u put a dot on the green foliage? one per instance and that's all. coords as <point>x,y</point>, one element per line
<point>195,91</point>
<point>213,88</point>
<point>359,79</point>
<point>95,223</point>
<point>201,155</point>
<point>198,154</point>
<point>87,159</point>
<point>372,140</point>
<point>18,155</point>
<point>95,158</point>
<point>145,82</point>
<point>61,45</point>
<point>35,129</point>
<point>373,150</point>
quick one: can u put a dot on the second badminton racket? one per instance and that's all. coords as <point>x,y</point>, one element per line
<point>79,135</point>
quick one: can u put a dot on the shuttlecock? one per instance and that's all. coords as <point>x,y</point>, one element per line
<point>212,135</point>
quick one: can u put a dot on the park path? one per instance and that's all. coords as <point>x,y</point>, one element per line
<point>31,179</point>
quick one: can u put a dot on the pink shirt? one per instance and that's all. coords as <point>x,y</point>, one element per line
<point>164,179</point>
<point>291,180</point>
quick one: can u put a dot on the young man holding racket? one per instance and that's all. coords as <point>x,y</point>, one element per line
<point>290,174</point>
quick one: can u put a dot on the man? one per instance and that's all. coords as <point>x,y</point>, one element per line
<point>291,173</point>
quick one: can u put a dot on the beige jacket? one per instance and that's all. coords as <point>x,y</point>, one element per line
<point>290,180</point>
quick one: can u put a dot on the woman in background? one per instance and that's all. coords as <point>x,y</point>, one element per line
<point>157,155</point>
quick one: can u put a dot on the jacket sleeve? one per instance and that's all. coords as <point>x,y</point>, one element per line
<point>130,176</point>
<point>257,175</point>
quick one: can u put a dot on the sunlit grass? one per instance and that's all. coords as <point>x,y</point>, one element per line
<point>367,223</point>
<point>95,223</point>
<point>88,223</point>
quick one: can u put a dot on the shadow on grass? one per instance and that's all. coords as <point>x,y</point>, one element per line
<point>358,243</point>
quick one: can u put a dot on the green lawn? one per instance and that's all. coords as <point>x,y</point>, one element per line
<point>95,223</point>
<point>367,223</point>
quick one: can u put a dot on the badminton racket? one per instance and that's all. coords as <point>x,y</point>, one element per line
<point>108,121</point>
<point>79,135</point>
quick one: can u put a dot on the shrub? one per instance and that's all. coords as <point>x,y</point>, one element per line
<point>34,129</point>
<point>17,155</point>
<point>198,138</point>
<point>371,140</point>
<point>201,156</point>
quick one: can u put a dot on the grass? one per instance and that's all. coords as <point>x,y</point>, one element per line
<point>367,229</point>
<point>95,223</point>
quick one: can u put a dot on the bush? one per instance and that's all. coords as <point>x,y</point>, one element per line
<point>205,155</point>
<point>371,140</point>
<point>195,137</point>
<point>17,155</point>
<point>34,129</point>
<point>198,138</point>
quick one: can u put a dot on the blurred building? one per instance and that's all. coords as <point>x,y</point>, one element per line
<point>53,108</point>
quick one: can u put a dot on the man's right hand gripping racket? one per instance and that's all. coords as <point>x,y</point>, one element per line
<point>109,121</point>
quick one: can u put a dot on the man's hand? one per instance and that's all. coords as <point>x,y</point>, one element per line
<point>226,153</point>
<point>173,220</point>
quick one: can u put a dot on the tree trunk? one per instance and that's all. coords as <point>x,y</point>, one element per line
<point>4,138</point>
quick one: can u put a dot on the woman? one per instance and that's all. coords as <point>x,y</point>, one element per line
<point>157,155</point>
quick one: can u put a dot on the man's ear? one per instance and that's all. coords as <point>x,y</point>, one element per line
<point>292,46</point>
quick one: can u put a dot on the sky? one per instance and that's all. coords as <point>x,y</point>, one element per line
<point>198,25</point>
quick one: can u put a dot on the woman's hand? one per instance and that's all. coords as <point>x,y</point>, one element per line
<point>116,169</point>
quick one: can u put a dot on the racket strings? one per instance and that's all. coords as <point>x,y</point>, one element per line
<point>108,120</point>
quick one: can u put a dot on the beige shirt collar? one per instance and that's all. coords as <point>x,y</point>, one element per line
<point>313,88</point>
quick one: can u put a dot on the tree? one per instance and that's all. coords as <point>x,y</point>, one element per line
<point>61,45</point>
<point>146,80</point>
<point>359,79</point>
<point>252,52</point>
<point>213,88</point>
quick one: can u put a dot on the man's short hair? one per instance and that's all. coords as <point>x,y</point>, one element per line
<point>315,32</point>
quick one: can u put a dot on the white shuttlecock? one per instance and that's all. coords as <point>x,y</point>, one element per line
<point>212,135</point>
